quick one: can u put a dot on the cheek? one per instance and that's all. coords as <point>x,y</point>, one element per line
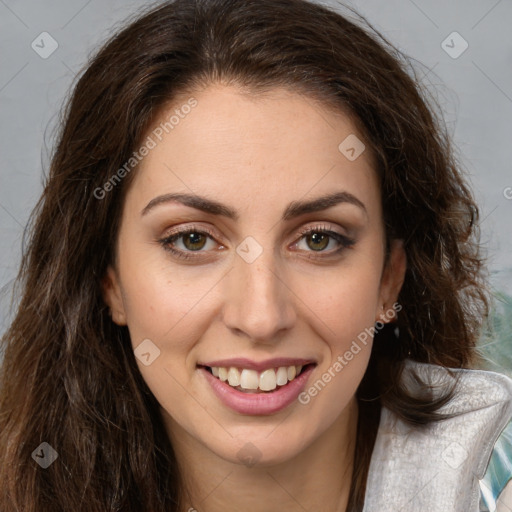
<point>164,307</point>
<point>159,298</point>
<point>343,304</point>
<point>344,299</point>
<point>347,317</point>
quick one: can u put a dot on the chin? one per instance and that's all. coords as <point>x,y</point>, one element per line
<point>263,447</point>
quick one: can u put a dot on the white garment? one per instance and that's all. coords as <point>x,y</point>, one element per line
<point>437,468</point>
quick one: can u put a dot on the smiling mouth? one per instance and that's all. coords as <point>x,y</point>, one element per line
<point>251,381</point>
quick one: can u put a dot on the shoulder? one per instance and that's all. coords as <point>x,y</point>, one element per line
<point>440,466</point>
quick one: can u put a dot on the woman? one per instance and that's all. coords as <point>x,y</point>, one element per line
<point>253,282</point>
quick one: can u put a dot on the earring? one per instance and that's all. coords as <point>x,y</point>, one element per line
<point>382,314</point>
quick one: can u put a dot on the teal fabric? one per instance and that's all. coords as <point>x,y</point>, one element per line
<point>499,471</point>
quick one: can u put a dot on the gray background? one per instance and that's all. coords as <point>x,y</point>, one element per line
<point>475,91</point>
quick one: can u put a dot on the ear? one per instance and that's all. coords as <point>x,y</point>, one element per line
<point>391,282</point>
<point>112,296</point>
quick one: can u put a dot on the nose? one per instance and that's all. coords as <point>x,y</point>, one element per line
<point>259,300</point>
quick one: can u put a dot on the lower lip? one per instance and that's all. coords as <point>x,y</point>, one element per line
<point>268,402</point>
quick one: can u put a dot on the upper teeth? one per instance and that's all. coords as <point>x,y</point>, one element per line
<point>251,379</point>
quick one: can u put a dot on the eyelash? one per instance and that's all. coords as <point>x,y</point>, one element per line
<point>343,241</point>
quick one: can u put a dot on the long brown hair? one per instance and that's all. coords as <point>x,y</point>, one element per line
<point>69,376</point>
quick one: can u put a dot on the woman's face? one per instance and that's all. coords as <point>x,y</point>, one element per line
<point>248,288</point>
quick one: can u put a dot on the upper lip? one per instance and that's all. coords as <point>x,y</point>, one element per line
<point>259,366</point>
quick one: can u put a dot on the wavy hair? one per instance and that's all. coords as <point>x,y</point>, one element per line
<point>69,375</point>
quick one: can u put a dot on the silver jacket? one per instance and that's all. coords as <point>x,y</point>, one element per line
<point>441,467</point>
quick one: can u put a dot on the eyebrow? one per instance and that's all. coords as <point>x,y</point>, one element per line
<point>293,210</point>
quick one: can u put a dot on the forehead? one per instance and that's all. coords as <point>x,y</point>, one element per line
<point>271,148</point>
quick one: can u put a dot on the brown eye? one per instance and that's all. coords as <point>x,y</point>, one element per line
<point>322,241</point>
<point>194,241</point>
<point>184,243</point>
<point>319,241</point>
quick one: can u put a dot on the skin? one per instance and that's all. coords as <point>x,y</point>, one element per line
<point>504,503</point>
<point>256,154</point>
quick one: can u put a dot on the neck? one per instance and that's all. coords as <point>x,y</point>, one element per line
<point>316,478</point>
